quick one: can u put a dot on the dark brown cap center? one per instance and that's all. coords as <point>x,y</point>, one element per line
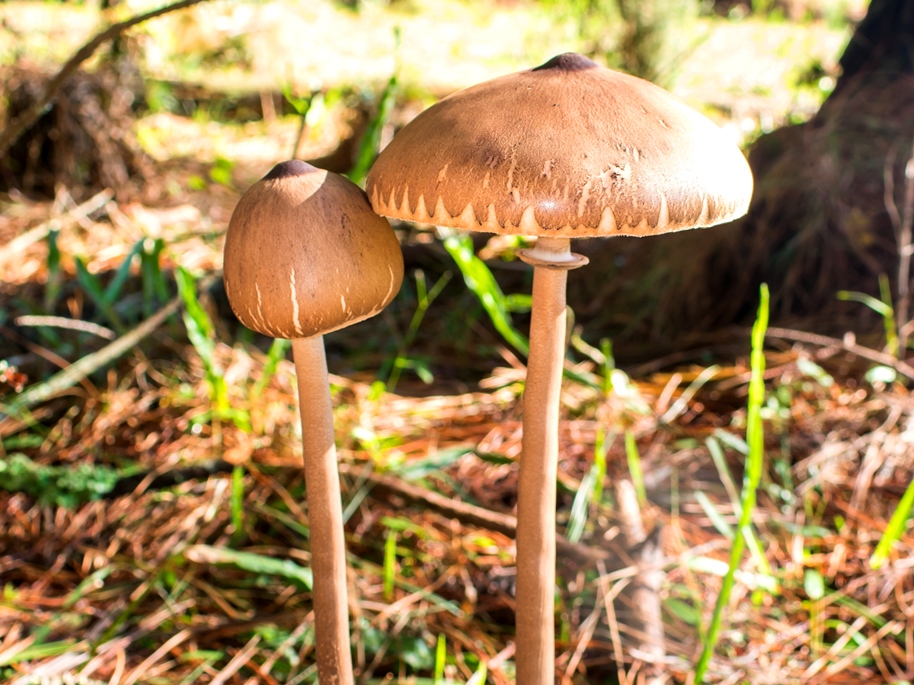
<point>294,167</point>
<point>569,61</point>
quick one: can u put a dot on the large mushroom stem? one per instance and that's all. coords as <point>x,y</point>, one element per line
<point>535,603</point>
<point>325,513</point>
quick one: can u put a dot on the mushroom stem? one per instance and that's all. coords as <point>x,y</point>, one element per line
<point>535,612</point>
<point>325,513</point>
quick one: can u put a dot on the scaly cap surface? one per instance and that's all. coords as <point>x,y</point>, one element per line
<point>568,149</point>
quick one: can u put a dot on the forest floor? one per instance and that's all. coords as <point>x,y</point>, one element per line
<point>152,519</point>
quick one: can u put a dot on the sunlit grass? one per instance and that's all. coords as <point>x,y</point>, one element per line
<point>755,438</point>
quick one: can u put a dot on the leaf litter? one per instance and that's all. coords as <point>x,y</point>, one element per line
<point>155,584</point>
<point>191,563</point>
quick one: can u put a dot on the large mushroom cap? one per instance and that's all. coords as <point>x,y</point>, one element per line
<point>566,149</point>
<point>305,255</point>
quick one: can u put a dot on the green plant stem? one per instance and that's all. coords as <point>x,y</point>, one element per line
<point>755,438</point>
<point>891,327</point>
<point>480,280</point>
<point>424,301</point>
<point>895,528</point>
<point>634,467</point>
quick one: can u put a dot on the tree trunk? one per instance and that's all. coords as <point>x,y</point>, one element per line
<point>882,45</point>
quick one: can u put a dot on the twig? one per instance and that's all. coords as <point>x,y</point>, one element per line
<point>13,249</point>
<point>647,606</point>
<point>239,660</point>
<point>475,516</point>
<point>902,223</point>
<point>45,354</point>
<point>841,664</point>
<point>25,120</point>
<point>849,344</point>
<point>608,597</point>
<point>79,370</point>
<point>63,322</point>
<point>166,647</point>
<point>586,633</point>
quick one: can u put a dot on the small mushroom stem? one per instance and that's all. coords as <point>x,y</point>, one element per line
<point>325,513</point>
<point>535,604</point>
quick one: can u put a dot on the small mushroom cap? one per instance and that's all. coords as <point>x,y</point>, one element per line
<point>567,149</point>
<point>305,255</point>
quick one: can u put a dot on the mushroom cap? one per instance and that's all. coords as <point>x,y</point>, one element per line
<point>568,149</point>
<point>305,255</point>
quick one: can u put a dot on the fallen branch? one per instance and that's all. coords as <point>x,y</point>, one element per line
<point>25,120</point>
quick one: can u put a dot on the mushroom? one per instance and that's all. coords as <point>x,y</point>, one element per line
<point>565,150</point>
<point>305,255</point>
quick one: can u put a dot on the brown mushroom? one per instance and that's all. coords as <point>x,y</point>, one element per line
<point>565,150</point>
<point>305,255</point>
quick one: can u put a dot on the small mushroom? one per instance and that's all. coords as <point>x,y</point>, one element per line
<point>565,150</point>
<point>305,255</point>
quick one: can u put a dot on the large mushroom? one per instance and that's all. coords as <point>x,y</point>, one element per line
<point>304,256</point>
<point>565,150</point>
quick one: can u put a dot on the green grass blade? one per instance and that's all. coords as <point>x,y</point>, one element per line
<point>91,285</point>
<point>253,563</point>
<point>882,306</point>
<point>40,651</point>
<point>155,286</point>
<point>94,581</point>
<point>201,333</point>
<point>237,502</point>
<point>755,439</point>
<point>895,529</point>
<point>732,441</point>
<point>55,277</point>
<point>160,283</point>
<point>301,105</point>
<point>81,368</point>
<point>716,518</point>
<point>599,460</point>
<point>420,468</point>
<point>424,300</point>
<point>873,303</point>
<point>755,546</point>
<point>888,319</point>
<point>720,462</point>
<point>113,291</point>
<point>634,467</point>
<point>390,564</point>
<point>187,289</point>
<point>440,658</point>
<point>609,364</point>
<point>580,507</point>
<point>480,280</point>
<point>277,352</point>
<point>479,678</point>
